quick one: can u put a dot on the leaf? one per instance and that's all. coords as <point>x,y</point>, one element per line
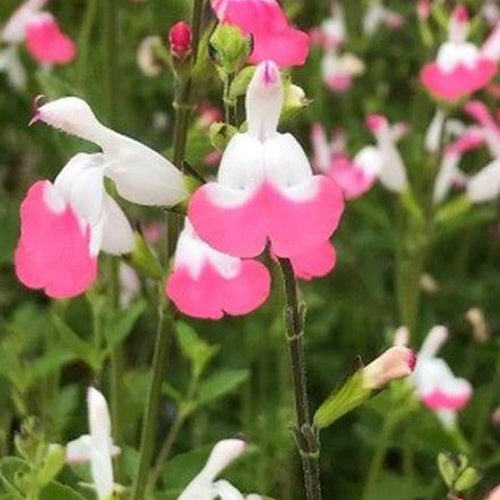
<point>50,363</point>
<point>199,352</point>
<point>58,491</point>
<point>467,479</point>
<point>83,350</point>
<point>220,384</point>
<point>120,323</point>
<point>181,469</point>
<point>447,468</point>
<point>10,468</point>
<point>351,395</point>
<point>241,82</point>
<point>144,260</point>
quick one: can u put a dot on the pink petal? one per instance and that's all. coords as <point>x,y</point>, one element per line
<point>210,295</point>
<point>459,82</point>
<point>438,400</point>
<point>316,262</point>
<point>53,251</point>
<point>273,36</point>
<point>293,219</point>
<point>351,178</point>
<point>47,43</point>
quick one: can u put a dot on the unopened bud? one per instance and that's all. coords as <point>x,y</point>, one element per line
<point>475,317</point>
<point>180,38</point>
<point>229,48</point>
<point>395,363</point>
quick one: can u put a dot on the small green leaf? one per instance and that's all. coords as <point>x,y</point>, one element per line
<point>58,491</point>
<point>199,352</point>
<point>452,210</point>
<point>83,350</point>
<point>53,463</point>
<point>220,384</point>
<point>448,468</point>
<point>120,323</point>
<point>468,478</point>
<point>351,395</point>
<point>241,82</point>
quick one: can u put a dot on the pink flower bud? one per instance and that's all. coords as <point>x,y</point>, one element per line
<point>180,38</point>
<point>423,9</point>
<point>494,494</point>
<point>395,363</point>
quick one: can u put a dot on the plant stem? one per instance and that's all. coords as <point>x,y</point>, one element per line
<point>182,105</point>
<point>378,457</point>
<point>306,435</point>
<point>112,93</point>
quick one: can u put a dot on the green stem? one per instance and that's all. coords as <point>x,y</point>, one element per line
<point>229,108</point>
<point>306,435</point>
<point>378,457</point>
<point>182,105</point>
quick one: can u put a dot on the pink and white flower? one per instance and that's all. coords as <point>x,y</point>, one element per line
<point>205,486</point>
<point>273,36</point>
<point>265,190</point>
<point>339,70</point>
<point>96,447</point>
<point>486,125</point>
<point>354,177</point>
<point>460,67</point>
<point>393,171</point>
<point>332,32</point>
<point>317,262</point>
<point>207,284</point>
<point>435,384</point>
<point>64,226</point>
<point>39,29</point>
<point>378,15</point>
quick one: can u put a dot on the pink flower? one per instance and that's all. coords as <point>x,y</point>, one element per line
<point>378,14</point>
<point>208,114</point>
<point>64,226</point>
<point>395,363</point>
<point>423,9</point>
<point>460,68</point>
<point>206,283</point>
<point>435,384</point>
<point>44,39</point>
<point>487,125</point>
<point>354,177</point>
<point>265,190</point>
<point>338,71</point>
<point>180,39</point>
<point>333,29</point>
<point>494,494</point>
<point>274,38</point>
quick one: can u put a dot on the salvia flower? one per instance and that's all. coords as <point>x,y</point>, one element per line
<point>205,486</point>
<point>206,283</point>
<point>378,15</point>
<point>39,29</point>
<point>494,494</point>
<point>435,384</point>
<point>332,32</point>
<point>64,226</point>
<point>339,70</point>
<point>395,363</point>
<point>393,171</point>
<point>354,177</point>
<point>460,67</point>
<point>96,447</point>
<point>273,36</point>
<point>265,190</point>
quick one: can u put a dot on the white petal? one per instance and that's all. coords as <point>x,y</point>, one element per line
<point>448,418</point>
<point>321,148</point>
<point>433,134</point>
<point>285,161</point>
<point>447,175</point>
<point>141,174</point>
<point>264,101</point>
<point>435,339</point>
<point>227,491</point>
<point>81,184</point>
<point>14,30</point>
<point>491,48</point>
<point>79,450</point>
<point>242,165</point>
<point>102,473</point>
<point>117,234</point>
<point>370,160</point>
<point>12,65</point>
<point>223,453</point>
<point>485,185</point>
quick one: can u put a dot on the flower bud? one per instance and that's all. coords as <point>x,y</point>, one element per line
<point>395,363</point>
<point>229,48</point>
<point>180,39</point>
<point>475,317</point>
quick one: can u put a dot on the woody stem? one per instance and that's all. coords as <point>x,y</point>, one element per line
<point>306,435</point>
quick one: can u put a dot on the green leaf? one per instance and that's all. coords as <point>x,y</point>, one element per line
<point>199,352</point>
<point>181,469</point>
<point>83,350</point>
<point>351,395</point>
<point>447,468</point>
<point>220,384</point>
<point>10,469</point>
<point>241,82</point>
<point>58,491</point>
<point>53,463</point>
<point>467,479</point>
<point>120,323</point>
